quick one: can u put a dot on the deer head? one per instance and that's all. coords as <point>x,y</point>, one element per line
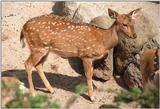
<point>125,22</point>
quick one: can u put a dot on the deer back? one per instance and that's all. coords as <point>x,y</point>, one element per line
<point>64,37</point>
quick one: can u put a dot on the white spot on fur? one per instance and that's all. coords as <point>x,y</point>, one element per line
<point>44,22</point>
<point>53,23</point>
<point>88,48</point>
<point>67,23</point>
<point>39,22</point>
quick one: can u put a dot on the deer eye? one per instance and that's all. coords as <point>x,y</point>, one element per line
<point>125,25</point>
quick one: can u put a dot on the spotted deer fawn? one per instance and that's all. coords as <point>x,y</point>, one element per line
<point>149,65</point>
<point>70,39</point>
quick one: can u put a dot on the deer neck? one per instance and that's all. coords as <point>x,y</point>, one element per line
<point>111,36</point>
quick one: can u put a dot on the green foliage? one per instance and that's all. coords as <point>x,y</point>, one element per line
<point>25,100</point>
<point>127,96</point>
<point>150,98</point>
<point>39,101</point>
<point>147,99</point>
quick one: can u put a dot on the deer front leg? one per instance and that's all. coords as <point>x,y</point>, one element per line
<point>87,63</point>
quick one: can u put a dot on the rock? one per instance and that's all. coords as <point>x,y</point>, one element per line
<point>145,31</point>
<point>102,21</point>
<point>63,8</point>
<point>124,54</point>
<point>132,76</point>
<point>88,11</point>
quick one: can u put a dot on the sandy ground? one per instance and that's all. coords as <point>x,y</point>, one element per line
<point>63,78</point>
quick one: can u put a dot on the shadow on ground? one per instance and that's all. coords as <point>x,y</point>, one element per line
<point>64,82</point>
<point>76,64</point>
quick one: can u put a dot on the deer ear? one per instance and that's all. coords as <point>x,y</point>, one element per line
<point>112,14</point>
<point>135,13</point>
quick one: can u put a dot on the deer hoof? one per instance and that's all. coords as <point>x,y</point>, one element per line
<point>92,98</point>
<point>52,90</point>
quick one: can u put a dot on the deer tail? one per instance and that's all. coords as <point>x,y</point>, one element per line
<point>22,39</point>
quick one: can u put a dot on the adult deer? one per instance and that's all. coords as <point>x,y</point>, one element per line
<point>69,39</point>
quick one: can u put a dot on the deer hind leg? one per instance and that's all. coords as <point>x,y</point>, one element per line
<point>87,63</point>
<point>28,67</point>
<point>43,77</point>
<point>36,59</point>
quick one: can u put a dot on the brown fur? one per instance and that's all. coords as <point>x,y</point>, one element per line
<point>149,64</point>
<point>49,33</point>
